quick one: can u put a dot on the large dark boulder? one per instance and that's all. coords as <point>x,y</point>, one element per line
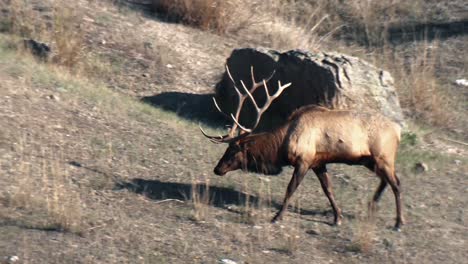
<point>329,79</point>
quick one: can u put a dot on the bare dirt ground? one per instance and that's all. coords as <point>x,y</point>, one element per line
<point>89,174</point>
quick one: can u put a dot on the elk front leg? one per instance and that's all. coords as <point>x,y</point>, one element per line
<point>328,190</point>
<point>298,175</point>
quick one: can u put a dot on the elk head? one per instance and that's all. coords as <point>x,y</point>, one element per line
<point>237,154</point>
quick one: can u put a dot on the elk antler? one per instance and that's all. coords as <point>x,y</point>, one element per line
<point>248,93</point>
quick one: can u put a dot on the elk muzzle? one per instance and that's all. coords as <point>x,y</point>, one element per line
<point>218,171</point>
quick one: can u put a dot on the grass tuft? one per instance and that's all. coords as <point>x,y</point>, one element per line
<point>219,16</point>
<point>363,240</point>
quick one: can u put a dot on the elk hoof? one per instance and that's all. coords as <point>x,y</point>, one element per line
<point>338,219</point>
<point>337,222</point>
<point>276,219</point>
<point>397,226</point>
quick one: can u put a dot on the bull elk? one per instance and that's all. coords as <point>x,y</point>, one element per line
<point>312,137</point>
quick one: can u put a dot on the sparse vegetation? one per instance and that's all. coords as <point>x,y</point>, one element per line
<point>220,16</point>
<point>85,165</point>
<point>363,240</point>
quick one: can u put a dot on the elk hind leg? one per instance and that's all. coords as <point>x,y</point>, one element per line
<point>387,173</point>
<point>377,195</point>
<point>370,164</point>
<point>326,184</point>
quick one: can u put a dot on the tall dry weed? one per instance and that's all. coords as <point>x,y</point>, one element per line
<point>419,90</point>
<point>68,37</point>
<point>44,194</point>
<point>363,236</point>
<point>62,30</point>
<point>200,200</point>
<point>19,18</point>
<point>217,15</point>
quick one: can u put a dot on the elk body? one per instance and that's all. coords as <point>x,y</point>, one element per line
<point>312,138</point>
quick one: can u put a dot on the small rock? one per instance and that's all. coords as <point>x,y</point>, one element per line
<point>148,45</point>
<point>264,179</point>
<point>462,82</point>
<point>11,259</point>
<point>227,261</point>
<point>145,75</point>
<point>387,243</point>
<point>53,97</point>
<point>421,167</point>
<point>313,232</point>
<point>169,66</point>
<point>457,162</point>
<point>38,49</point>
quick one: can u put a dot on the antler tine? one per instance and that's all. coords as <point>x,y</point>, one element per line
<point>268,102</point>
<point>242,97</point>
<point>214,139</point>
<point>248,130</point>
<point>218,108</point>
<point>269,99</point>
<point>229,74</point>
<point>249,95</point>
<point>280,89</point>
<point>266,89</point>
<point>252,74</point>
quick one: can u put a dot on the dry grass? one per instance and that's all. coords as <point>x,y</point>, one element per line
<point>44,190</point>
<point>62,31</point>
<point>363,238</point>
<point>369,21</point>
<point>420,92</point>
<point>114,135</point>
<point>220,16</point>
<point>200,200</point>
<point>310,25</point>
<point>68,36</point>
<point>20,19</point>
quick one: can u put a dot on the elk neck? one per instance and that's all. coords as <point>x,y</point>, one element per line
<point>265,151</point>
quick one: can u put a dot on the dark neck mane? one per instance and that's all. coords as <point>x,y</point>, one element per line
<point>264,152</point>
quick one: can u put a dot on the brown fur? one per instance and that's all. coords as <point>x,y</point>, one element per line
<point>312,138</point>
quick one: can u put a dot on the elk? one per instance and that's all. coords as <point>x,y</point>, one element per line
<point>312,137</point>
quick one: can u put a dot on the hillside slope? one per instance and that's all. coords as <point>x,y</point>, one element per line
<point>89,174</point>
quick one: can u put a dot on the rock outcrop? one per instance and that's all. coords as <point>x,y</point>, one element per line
<point>329,79</point>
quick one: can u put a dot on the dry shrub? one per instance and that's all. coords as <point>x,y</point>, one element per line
<point>363,236</point>
<point>362,21</point>
<point>68,37</point>
<point>291,24</point>
<point>18,17</point>
<point>200,199</point>
<point>217,15</point>
<point>369,20</point>
<point>64,33</point>
<point>418,88</point>
<point>63,203</point>
<point>363,233</point>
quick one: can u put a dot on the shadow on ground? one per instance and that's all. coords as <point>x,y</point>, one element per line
<point>427,31</point>
<point>159,190</point>
<point>194,107</point>
<point>219,196</point>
